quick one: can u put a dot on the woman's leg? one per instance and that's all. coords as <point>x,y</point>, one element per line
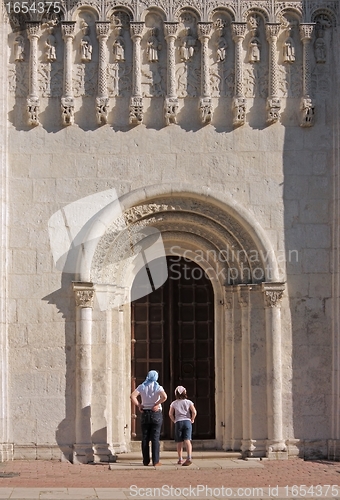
<point>157,420</point>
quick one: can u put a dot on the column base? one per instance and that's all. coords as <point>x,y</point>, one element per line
<point>333,446</point>
<point>276,450</point>
<point>103,453</point>
<point>82,453</point>
<point>248,448</point>
<point>6,452</point>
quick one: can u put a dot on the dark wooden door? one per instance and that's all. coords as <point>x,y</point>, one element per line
<point>173,333</point>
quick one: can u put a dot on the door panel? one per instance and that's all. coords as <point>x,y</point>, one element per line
<point>173,333</point>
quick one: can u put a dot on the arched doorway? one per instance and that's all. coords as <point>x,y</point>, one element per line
<point>172,332</point>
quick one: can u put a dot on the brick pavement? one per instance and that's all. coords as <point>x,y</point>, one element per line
<point>54,474</point>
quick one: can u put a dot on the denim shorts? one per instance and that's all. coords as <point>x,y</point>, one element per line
<point>183,430</point>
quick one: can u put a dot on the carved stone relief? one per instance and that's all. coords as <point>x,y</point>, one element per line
<point>236,59</point>
<point>119,69</point>
<point>19,48</point>
<point>185,209</point>
<point>86,44</point>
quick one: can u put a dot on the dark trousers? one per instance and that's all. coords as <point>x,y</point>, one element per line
<point>151,430</point>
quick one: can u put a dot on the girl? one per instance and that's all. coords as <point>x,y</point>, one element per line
<point>183,412</point>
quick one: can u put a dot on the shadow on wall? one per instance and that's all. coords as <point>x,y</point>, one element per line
<point>307,234</point>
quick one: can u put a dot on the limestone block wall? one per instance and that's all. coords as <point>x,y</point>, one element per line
<point>281,173</point>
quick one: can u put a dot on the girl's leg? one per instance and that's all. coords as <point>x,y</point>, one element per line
<point>180,451</point>
<point>188,446</point>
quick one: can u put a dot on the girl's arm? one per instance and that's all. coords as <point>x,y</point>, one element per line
<point>193,412</point>
<point>172,414</point>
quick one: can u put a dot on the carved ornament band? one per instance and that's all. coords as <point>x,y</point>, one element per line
<point>102,28</point>
<point>67,28</point>
<point>273,293</point>
<point>238,30</point>
<point>84,294</point>
<point>33,29</point>
<point>306,31</point>
<point>170,29</point>
<point>136,29</point>
<point>204,30</point>
<point>272,30</point>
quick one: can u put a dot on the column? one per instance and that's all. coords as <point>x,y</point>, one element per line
<point>171,100</point>
<point>228,423</point>
<point>307,105</point>
<point>82,449</point>
<point>205,105</point>
<point>239,101</point>
<point>136,102</point>
<point>33,33</point>
<point>102,99</point>
<point>273,101</point>
<point>6,443</point>
<point>272,302</point>
<point>247,446</point>
<point>67,100</point>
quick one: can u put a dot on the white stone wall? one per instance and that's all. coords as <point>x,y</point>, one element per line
<point>282,174</point>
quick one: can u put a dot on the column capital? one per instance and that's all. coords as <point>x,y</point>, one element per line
<point>238,30</point>
<point>272,30</point>
<point>306,31</point>
<point>273,293</point>
<point>170,30</point>
<point>84,293</point>
<point>102,28</point>
<point>67,29</point>
<point>33,29</point>
<point>136,29</point>
<point>204,30</point>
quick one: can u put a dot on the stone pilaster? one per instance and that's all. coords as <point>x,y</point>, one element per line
<point>136,103</point>
<point>239,101</point>
<point>33,103</point>
<point>273,293</point>
<point>247,446</point>
<point>6,449</point>
<point>273,101</point>
<point>171,100</point>
<point>102,99</point>
<point>84,296</point>
<point>67,100</point>
<point>205,104</point>
<point>229,293</point>
<point>307,105</point>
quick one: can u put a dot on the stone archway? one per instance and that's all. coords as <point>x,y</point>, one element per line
<point>207,231</point>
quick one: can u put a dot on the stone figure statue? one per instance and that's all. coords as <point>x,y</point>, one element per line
<point>288,50</point>
<point>187,47</point>
<point>119,48</point>
<point>221,49</point>
<point>85,45</point>
<point>320,50</point>
<point>153,46</point>
<point>254,50</point>
<point>19,48</point>
<point>50,45</point>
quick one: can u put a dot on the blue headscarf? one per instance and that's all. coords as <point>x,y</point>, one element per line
<point>152,376</point>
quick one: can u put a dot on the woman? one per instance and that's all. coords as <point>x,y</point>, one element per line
<point>152,395</point>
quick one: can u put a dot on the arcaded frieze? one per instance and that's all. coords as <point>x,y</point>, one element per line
<point>171,50</point>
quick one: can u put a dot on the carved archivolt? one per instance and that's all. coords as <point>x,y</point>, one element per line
<point>182,219</point>
<point>173,50</point>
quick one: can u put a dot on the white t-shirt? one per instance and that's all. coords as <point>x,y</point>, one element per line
<point>182,409</point>
<point>150,394</point>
